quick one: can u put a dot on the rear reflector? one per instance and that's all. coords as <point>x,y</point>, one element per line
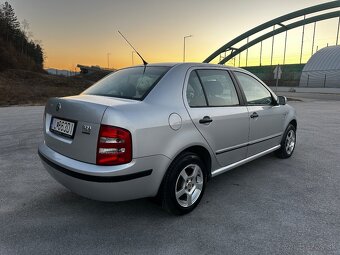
<point>114,146</point>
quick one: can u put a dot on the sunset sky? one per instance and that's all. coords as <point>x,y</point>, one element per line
<point>84,31</point>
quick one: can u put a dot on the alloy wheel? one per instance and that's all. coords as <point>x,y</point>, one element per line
<point>189,185</point>
<point>290,142</point>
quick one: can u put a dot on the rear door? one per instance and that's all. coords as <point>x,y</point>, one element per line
<point>215,107</point>
<point>266,117</point>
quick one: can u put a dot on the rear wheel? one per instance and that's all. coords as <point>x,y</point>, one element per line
<point>288,143</point>
<point>184,184</point>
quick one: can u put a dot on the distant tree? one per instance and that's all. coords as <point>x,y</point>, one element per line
<point>25,35</point>
<point>39,56</point>
<point>2,22</point>
<point>12,25</point>
<point>17,48</point>
<point>25,26</point>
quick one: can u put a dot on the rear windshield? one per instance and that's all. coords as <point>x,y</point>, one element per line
<point>131,83</point>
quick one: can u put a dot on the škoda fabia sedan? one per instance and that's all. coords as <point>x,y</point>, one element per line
<point>163,130</point>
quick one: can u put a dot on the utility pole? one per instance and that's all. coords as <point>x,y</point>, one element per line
<point>185,37</point>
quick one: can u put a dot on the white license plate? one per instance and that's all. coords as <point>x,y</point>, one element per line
<point>62,127</point>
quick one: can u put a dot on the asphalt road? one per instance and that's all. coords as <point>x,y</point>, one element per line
<point>310,96</point>
<point>269,206</point>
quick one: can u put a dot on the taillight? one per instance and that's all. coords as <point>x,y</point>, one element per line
<point>114,146</point>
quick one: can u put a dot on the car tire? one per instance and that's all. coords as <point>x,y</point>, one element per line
<point>184,184</point>
<point>288,142</point>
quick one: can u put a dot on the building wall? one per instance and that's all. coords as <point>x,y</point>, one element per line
<point>317,79</point>
<point>322,69</point>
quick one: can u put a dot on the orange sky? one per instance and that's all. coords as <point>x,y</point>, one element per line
<point>84,31</point>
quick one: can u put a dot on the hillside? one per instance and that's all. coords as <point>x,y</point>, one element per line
<point>22,77</point>
<point>18,50</point>
<point>19,87</point>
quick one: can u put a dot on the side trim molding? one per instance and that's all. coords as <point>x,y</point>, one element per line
<point>93,178</point>
<point>243,161</point>
<point>249,143</point>
<point>239,146</point>
<point>264,139</point>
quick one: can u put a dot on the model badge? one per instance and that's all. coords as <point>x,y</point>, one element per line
<point>86,129</point>
<point>58,107</point>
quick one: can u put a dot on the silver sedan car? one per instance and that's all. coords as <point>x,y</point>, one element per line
<point>163,131</point>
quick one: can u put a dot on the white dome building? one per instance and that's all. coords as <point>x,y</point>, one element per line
<point>322,69</point>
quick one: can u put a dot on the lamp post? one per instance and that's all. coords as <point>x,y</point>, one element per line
<point>185,37</point>
<point>132,57</point>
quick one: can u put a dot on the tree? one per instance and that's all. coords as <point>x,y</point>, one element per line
<point>2,22</point>
<point>39,56</point>
<point>12,25</point>
<point>17,49</point>
<point>1,15</point>
<point>25,34</point>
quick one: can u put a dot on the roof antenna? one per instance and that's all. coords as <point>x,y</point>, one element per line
<point>144,62</point>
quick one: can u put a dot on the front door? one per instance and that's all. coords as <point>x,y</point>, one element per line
<point>214,107</point>
<point>266,117</point>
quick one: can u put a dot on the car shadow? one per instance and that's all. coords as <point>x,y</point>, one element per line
<point>64,200</point>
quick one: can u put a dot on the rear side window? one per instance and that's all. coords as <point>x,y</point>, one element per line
<point>255,92</point>
<point>195,93</point>
<point>219,87</point>
<point>131,83</point>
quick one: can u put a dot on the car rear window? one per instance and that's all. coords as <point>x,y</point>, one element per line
<point>131,83</point>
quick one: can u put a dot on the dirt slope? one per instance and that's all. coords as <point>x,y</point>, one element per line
<point>20,87</point>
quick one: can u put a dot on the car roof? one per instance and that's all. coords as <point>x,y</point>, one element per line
<point>193,64</point>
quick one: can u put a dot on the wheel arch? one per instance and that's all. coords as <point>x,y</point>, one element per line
<point>201,151</point>
<point>294,123</point>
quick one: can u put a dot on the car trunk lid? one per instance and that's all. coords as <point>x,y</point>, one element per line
<point>72,124</point>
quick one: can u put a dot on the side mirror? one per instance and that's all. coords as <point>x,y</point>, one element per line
<point>282,100</point>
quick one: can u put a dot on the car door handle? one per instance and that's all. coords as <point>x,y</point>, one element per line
<point>205,120</point>
<point>254,115</point>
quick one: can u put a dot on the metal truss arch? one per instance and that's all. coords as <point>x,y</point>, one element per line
<point>230,46</point>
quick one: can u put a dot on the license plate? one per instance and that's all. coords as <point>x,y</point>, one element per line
<point>62,127</point>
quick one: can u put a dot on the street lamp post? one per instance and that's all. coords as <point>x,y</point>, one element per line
<point>132,57</point>
<point>185,37</point>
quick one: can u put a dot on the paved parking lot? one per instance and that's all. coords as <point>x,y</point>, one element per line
<point>269,206</point>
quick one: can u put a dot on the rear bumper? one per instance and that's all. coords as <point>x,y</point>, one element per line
<point>139,178</point>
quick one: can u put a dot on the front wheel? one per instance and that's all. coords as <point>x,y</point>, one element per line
<point>288,143</point>
<point>184,184</point>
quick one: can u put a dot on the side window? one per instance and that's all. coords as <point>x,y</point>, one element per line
<point>195,94</point>
<point>219,87</point>
<point>256,93</point>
